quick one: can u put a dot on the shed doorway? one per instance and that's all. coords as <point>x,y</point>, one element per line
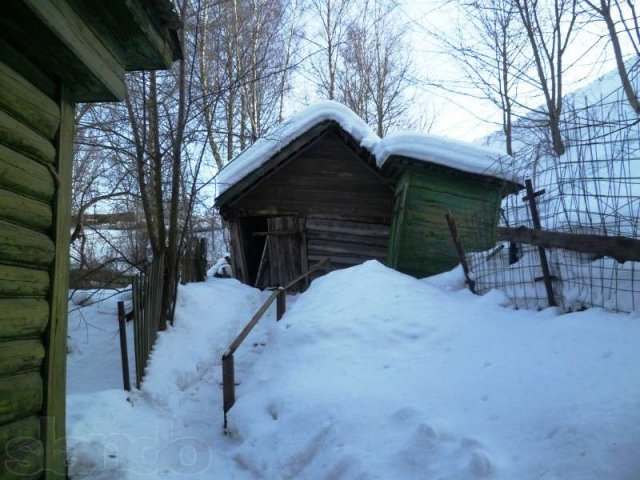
<point>283,255</point>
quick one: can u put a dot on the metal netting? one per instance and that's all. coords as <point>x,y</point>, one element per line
<point>594,188</point>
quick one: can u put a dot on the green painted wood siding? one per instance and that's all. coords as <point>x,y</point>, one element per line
<point>420,243</point>
<point>30,123</point>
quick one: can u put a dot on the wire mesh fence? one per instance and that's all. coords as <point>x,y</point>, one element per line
<point>593,189</point>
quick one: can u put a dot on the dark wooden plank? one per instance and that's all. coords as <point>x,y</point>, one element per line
<point>88,49</point>
<point>619,248</point>
<point>331,247</point>
<point>25,427</point>
<point>347,227</point>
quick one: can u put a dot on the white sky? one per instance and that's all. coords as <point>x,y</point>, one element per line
<point>459,116</point>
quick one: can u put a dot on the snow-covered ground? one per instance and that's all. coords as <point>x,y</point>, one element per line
<point>371,374</point>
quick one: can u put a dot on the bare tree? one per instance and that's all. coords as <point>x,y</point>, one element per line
<point>375,67</point>
<point>623,16</point>
<point>491,48</point>
<point>549,26</point>
<point>334,18</point>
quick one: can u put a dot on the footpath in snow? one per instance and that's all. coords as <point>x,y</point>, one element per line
<point>371,374</point>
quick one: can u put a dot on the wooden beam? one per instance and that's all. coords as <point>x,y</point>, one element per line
<point>77,37</point>
<point>56,335</point>
<point>620,248</point>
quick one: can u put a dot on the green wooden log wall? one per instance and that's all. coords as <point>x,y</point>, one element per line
<point>31,152</point>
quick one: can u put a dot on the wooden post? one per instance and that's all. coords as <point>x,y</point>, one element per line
<point>535,217</point>
<point>123,346</point>
<point>228,385</point>
<point>281,304</point>
<point>460,251</point>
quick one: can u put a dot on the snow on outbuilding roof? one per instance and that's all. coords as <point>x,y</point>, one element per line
<point>419,146</point>
<point>446,152</point>
<point>266,147</point>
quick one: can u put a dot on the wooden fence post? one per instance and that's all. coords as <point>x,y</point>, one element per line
<point>123,346</point>
<point>460,251</point>
<point>535,217</point>
<point>281,304</point>
<point>228,385</point>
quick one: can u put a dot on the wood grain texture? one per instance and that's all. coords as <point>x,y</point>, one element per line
<point>20,356</point>
<point>23,317</point>
<point>56,335</point>
<point>20,396</point>
<point>128,31</point>
<point>422,242</point>
<point>20,174</point>
<point>26,103</point>
<point>325,179</point>
<point>26,427</point>
<point>20,137</point>
<point>25,211</point>
<point>22,246</point>
<point>23,459</point>
<point>74,33</point>
<point>23,282</point>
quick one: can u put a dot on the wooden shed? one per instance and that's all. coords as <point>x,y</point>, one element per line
<point>325,186</point>
<point>433,176</point>
<point>306,192</point>
<point>53,53</point>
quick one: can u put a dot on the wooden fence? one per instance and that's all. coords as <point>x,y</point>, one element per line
<point>279,295</point>
<point>194,261</point>
<point>147,310</point>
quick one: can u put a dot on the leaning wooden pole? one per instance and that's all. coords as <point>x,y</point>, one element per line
<point>535,217</point>
<point>460,251</point>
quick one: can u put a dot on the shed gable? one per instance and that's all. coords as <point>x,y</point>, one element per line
<point>328,179</point>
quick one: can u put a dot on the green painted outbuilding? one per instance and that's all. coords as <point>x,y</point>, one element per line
<point>53,54</point>
<point>429,182</point>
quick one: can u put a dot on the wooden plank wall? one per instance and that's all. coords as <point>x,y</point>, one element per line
<point>29,124</point>
<point>326,180</point>
<point>344,207</point>
<point>422,243</point>
<point>346,243</point>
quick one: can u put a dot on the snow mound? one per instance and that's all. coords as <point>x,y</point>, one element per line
<point>374,374</point>
<point>266,147</point>
<point>371,374</point>
<point>446,152</point>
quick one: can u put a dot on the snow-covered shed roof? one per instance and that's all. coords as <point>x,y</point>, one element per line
<point>266,147</point>
<point>446,152</point>
<point>418,146</point>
